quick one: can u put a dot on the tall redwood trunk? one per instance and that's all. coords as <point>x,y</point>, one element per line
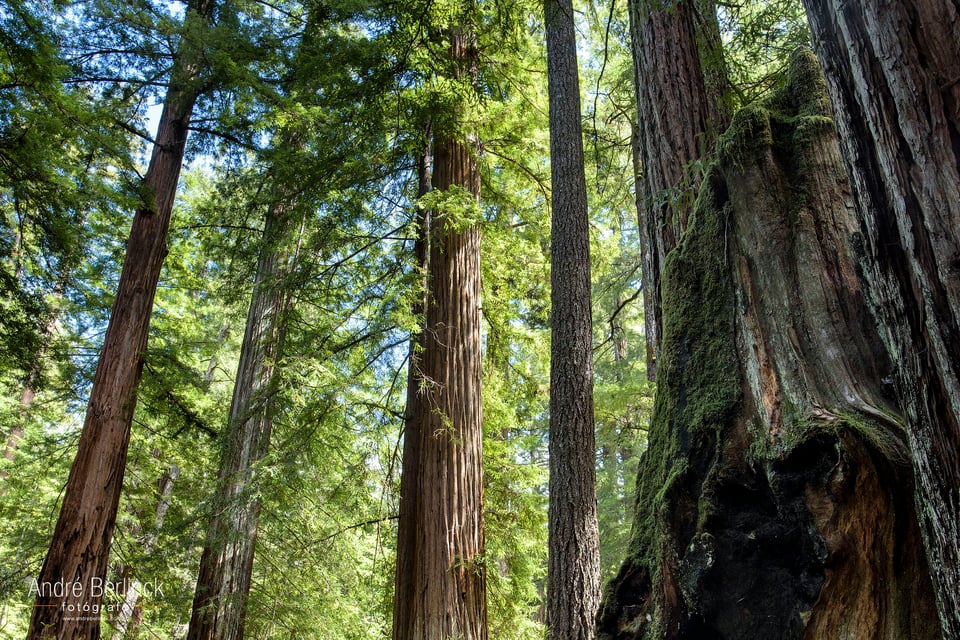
<point>226,565</point>
<point>775,497</point>
<point>893,73</point>
<point>679,113</point>
<point>406,581</point>
<point>444,593</point>
<point>77,559</point>
<point>573,567</point>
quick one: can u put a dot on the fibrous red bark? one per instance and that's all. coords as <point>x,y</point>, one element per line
<point>77,559</point>
<point>893,73</point>
<point>680,114</point>
<point>441,535</point>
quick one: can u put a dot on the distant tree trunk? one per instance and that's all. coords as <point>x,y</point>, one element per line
<point>893,73</point>
<point>129,616</point>
<point>80,547</point>
<point>226,565</point>
<point>774,499</point>
<point>442,507</point>
<point>31,382</point>
<point>680,114</point>
<point>573,568</point>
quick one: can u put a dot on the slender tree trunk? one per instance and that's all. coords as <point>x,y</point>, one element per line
<point>32,381</point>
<point>775,497</point>
<point>442,506</point>
<point>405,582</point>
<point>893,73</point>
<point>680,114</point>
<point>573,568</point>
<point>78,555</point>
<point>129,616</point>
<point>226,565</point>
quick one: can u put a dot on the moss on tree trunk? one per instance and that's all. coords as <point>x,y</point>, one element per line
<point>775,497</point>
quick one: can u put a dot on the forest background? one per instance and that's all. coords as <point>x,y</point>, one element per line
<point>79,85</point>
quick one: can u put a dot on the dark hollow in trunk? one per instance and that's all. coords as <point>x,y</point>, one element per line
<point>774,500</point>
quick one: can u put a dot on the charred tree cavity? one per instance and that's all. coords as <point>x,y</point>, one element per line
<point>774,500</point>
<point>893,74</point>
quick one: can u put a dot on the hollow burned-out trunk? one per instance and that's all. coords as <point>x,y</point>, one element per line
<point>893,72</point>
<point>775,498</point>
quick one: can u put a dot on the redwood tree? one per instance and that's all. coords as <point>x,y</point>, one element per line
<point>893,74</point>
<point>442,590</point>
<point>81,540</point>
<point>679,109</point>
<point>573,567</point>
<point>226,565</point>
<point>774,499</point>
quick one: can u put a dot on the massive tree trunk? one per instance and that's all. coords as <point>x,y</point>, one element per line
<point>774,500</point>
<point>573,568</point>
<point>443,595</point>
<point>226,565</point>
<point>893,73</point>
<point>77,559</point>
<point>680,114</point>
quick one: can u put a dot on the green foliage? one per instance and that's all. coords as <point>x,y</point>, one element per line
<point>759,37</point>
<point>322,107</point>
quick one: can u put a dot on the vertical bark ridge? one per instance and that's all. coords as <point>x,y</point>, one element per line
<point>680,114</point>
<point>892,75</point>
<point>447,581</point>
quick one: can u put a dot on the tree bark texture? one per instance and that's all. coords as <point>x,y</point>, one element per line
<point>679,112</point>
<point>893,74</point>
<point>80,547</point>
<point>405,582</point>
<point>775,497</point>
<point>226,565</point>
<point>573,567</point>
<point>443,592</point>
